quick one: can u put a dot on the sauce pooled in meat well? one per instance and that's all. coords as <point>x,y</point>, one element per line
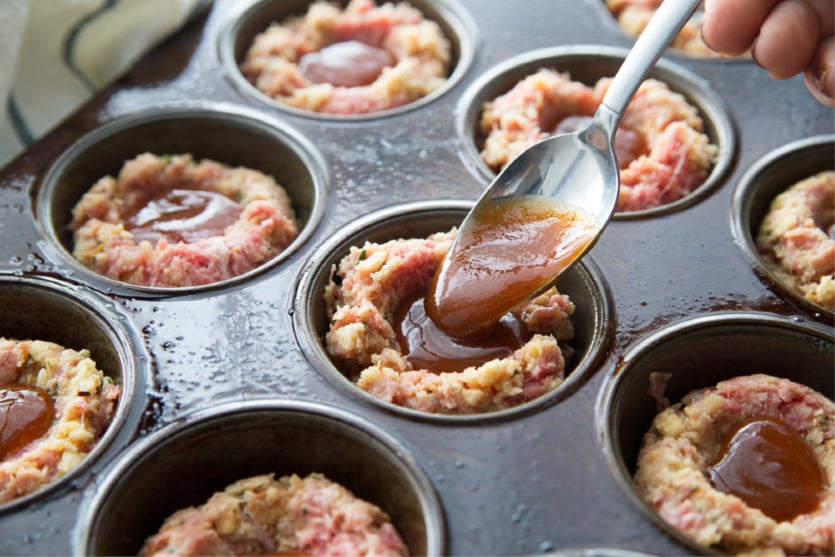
<point>767,464</point>
<point>427,346</point>
<point>181,215</point>
<point>26,412</point>
<point>346,64</point>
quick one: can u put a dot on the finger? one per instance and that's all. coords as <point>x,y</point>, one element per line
<point>820,75</point>
<point>730,26</point>
<point>825,11</point>
<point>788,38</point>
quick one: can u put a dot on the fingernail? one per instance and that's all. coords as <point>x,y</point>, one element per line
<point>821,84</point>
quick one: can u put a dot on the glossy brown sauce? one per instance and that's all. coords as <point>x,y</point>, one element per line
<point>767,464</point>
<point>513,248</point>
<point>26,412</point>
<point>181,215</point>
<point>346,64</point>
<point>629,145</point>
<point>426,346</point>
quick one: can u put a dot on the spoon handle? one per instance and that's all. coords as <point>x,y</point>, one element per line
<point>648,48</point>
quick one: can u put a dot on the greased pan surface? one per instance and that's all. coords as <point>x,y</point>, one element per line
<point>550,478</point>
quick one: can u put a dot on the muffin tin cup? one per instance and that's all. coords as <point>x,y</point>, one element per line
<point>760,184</point>
<point>185,462</point>
<point>587,64</point>
<point>611,21</point>
<point>48,310</point>
<point>240,30</point>
<point>226,134</point>
<point>699,353</point>
<point>592,319</point>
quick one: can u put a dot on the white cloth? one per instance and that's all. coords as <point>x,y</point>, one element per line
<point>55,54</point>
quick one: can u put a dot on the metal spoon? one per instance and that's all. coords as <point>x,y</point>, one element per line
<point>578,170</point>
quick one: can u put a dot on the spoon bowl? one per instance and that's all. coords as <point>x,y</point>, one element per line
<point>576,174</point>
<point>577,169</point>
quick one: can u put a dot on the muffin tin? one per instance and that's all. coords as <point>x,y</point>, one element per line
<point>583,284</point>
<point>231,379</point>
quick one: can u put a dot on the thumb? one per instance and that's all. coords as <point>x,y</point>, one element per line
<point>820,75</point>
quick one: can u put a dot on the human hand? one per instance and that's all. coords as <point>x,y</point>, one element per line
<point>786,37</point>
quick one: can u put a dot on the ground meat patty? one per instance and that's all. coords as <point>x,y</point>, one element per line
<point>367,287</point>
<point>419,50</point>
<point>797,237</point>
<point>84,402</point>
<point>288,516</point>
<point>634,15</point>
<point>663,153</point>
<point>266,224</point>
<point>671,470</point>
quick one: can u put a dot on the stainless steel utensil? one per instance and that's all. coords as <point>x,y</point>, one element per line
<point>577,170</point>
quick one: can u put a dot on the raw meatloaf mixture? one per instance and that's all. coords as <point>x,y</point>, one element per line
<point>797,238</point>
<point>289,516</point>
<point>84,402</point>
<point>634,15</point>
<point>265,226</point>
<point>671,470</point>
<point>417,50</point>
<point>364,292</point>
<point>662,150</point>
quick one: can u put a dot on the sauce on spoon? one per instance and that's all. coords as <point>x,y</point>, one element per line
<point>511,249</point>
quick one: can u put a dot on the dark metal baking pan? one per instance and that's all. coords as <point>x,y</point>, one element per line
<point>537,481</point>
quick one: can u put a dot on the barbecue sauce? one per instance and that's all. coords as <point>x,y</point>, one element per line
<point>346,64</point>
<point>26,412</point>
<point>513,248</point>
<point>767,464</point>
<point>181,215</point>
<point>426,346</point>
